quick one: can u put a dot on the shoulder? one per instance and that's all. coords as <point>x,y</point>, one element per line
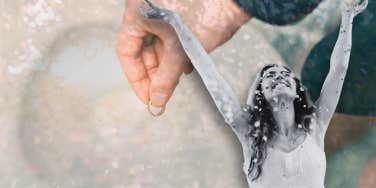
<point>242,117</point>
<point>240,124</point>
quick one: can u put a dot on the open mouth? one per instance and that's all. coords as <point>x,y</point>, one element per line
<point>280,82</point>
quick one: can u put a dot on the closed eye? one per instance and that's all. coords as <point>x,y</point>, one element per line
<point>270,74</point>
<point>285,73</point>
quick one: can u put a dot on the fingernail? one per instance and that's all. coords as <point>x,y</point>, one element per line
<point>155,110</point>
<point>158,99</point>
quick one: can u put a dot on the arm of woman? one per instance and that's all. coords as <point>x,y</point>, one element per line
<point>339,61</point>
<point>222,94</point>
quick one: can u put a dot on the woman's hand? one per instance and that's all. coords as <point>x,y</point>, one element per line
<point>150,53</point>
<point>351,8</point>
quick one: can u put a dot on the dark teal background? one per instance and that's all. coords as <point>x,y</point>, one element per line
<point>358,94</point>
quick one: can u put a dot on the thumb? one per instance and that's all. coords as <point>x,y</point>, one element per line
<point>165,80</point>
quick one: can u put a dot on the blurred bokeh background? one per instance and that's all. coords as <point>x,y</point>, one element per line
<point>68,117</point>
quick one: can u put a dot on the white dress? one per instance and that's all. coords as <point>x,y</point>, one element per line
<point>304,167</point>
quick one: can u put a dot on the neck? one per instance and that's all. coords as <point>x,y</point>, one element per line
<point>284,115</point>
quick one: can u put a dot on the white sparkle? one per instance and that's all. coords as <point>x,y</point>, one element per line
<point>257,124</point>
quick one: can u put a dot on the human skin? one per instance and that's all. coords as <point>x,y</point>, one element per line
<point>153,65</point>
<point>279,89</point>
<point>231,110</point>
<point>278,81</point>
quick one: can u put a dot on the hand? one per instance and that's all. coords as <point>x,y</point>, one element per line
<point>353,7</point>
<point>150,53</point>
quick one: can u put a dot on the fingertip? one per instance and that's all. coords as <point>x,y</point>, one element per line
<point>141,89</point>
<point>161,89</point>
<point>159,99</point>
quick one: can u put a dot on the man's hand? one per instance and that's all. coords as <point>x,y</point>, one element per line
<point>150,53</point>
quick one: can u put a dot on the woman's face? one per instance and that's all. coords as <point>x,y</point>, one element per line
<point>278,82</point>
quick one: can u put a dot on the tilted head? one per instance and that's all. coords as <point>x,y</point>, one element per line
<point>277,81</point>
<point>274,82</point>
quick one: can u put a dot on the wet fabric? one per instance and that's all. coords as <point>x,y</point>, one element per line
<point>303,167</point>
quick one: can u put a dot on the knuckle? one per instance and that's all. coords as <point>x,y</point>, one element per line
<point>124,50</point>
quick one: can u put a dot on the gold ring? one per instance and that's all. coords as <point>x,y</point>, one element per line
<point>157,114</point>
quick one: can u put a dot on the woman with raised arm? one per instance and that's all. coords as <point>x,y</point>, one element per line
<point>281,132</point>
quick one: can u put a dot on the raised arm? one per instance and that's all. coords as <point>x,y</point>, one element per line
<point>222,94</point>
<point>331,90</point>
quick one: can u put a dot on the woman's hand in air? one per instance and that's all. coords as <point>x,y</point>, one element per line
<point>150,53</point>
<point>351,8</point>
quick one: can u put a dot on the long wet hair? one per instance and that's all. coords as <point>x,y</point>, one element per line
<point>263,127</point>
